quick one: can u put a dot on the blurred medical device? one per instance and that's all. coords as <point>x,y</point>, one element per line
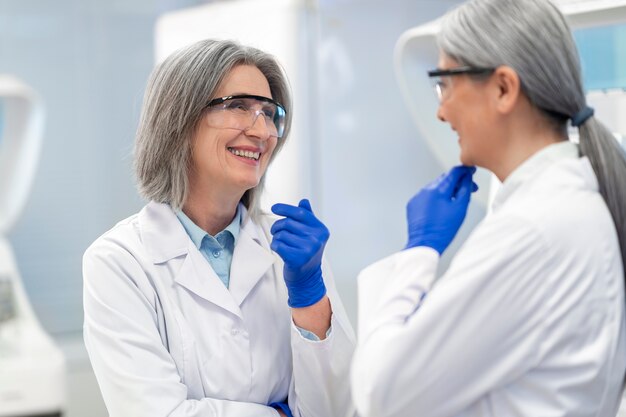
<point>600,32</point>
<point>32,368</point>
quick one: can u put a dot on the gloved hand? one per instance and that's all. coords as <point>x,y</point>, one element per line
<point>282,406</point>
<point>299,239</point>
<point>436,212</point>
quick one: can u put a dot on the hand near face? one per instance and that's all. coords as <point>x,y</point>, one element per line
<point>299,239</point>
<point>436,212</point>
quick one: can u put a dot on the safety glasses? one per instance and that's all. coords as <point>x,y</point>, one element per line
<point>441,79</point>
<point>241,112</point>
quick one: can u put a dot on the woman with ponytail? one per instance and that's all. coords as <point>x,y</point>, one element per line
<point>528,320</point>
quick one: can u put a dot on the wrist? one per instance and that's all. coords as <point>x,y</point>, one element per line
<point>305,291</point>
<point>315,318</point>
<point>429,243</point>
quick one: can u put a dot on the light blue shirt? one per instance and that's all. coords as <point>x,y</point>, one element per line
<point>218,249</point>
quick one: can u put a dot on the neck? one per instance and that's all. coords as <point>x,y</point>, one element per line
<point>212,213</point>
<point>522,138</point>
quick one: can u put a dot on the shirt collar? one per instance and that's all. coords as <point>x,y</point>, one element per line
<point>532,166</point>
<point>197,234</point>
<point>235,225</point>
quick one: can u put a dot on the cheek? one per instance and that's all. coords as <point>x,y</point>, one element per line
<point>270,150</point>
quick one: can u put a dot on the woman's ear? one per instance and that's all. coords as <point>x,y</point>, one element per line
<point>508,88</point>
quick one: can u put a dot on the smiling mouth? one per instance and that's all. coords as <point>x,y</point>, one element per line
<point>245,154</point>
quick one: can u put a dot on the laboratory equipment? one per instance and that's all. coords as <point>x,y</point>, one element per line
<point>32,368</point>
<point>416,52</point>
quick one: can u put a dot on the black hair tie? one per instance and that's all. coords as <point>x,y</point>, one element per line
<point>581,117</point>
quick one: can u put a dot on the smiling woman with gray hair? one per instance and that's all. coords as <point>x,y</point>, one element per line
<point>528,320</point>
<point>188,310</point>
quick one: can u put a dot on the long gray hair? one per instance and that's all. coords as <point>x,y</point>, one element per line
<point>175,100</point>
<point>533,38</point>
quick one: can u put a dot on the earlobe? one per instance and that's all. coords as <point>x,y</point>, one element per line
<point>509,88</point>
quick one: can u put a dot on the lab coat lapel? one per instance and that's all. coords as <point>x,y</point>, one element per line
<point>252,258</point>
<point>167,242</point>
<point>198,277</point>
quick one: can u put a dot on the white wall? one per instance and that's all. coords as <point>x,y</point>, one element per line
<point>372,156</point>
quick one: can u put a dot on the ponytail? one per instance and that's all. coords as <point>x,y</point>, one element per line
<point>608,160</point>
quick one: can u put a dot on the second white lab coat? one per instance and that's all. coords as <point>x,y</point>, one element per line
<point>167,338</point>
<point>527,321</point>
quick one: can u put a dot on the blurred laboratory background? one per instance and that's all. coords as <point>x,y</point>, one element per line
<point>361,145</point>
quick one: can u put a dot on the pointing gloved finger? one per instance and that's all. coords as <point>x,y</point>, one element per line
<point>282,209</point>
<point>297,213</point>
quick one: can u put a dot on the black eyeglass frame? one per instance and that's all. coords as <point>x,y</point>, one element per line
<point>459,71</point>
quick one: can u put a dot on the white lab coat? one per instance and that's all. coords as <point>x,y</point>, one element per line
<point>527,321</point>
<point>167,338</point>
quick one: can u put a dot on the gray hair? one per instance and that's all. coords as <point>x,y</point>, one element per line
<point>533,38</point>
<point>175,100</point>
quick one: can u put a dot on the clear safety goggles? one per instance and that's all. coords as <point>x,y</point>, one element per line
<point>242,111</point>
<point>441,79</point>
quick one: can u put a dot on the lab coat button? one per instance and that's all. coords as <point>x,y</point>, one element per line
<point>217,253</point>
<point>234,332</point>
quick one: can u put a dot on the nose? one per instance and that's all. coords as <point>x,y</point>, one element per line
<point>440,114</point>
<point>258,128</point>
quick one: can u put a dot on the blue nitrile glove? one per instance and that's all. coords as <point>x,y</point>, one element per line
<point>299,239</point>
<point>435,214</point>
<point>284,407</point>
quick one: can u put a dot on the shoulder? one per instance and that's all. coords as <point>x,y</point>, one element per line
<point>507,234</point>
<point>120,235</point>
<point>556,224</point>
<point>119,248</point>
<point>563,205</point>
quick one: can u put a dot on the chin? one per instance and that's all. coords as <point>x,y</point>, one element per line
<point>466,160</point>
<point>248,183</point>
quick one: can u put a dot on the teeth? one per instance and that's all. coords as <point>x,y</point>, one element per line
<point>245,154</point>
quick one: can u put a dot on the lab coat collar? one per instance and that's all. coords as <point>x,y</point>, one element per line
<point>198,235</point>
<point>162,234</point>
<point>531,168</point>
<point>165,239</point>
<point>251,259</point>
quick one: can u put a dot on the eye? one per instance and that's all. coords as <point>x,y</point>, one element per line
<point>269,112</point>
<point>236,105</point>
